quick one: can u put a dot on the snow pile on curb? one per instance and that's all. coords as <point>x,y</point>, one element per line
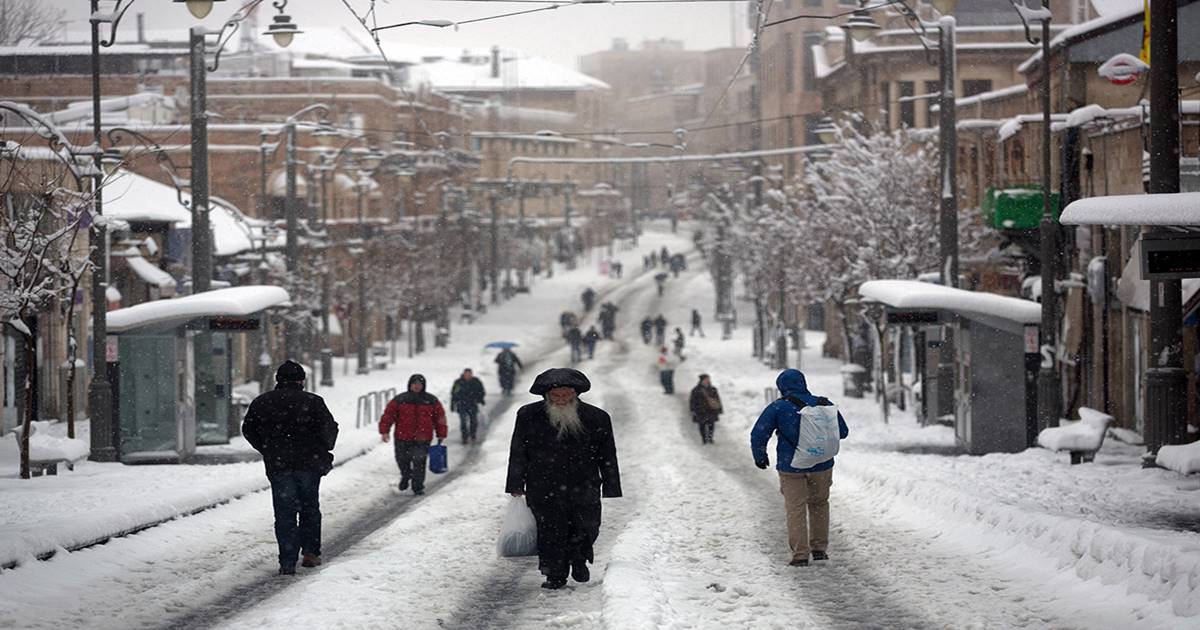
<point>1182,458</point>
<point>1085,434</point>
<point>1162,566</point>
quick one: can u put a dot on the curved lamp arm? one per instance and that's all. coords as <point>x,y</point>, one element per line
<point>161,157</point>
<point>113,19</point>
<point>58,143</point>
<point>230,28</point>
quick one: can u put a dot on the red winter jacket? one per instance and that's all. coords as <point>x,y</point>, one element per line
<point>415,416</point>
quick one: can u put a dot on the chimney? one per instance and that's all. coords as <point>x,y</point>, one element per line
<point>495,62</point>
<point>141,28</point>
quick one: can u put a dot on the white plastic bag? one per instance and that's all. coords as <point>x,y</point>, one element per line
<point>518,531</point>
<point>819,436</point>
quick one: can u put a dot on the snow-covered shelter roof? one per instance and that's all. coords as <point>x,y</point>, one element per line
<point>1160,209</point>
<point>135,198</point>
<point>474,74</point>
<point>167,314</point>
<point>916,295</point>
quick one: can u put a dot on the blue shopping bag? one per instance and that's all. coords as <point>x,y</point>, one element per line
<point>438,459</point>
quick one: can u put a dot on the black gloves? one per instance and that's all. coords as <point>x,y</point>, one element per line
<point>762,463</point>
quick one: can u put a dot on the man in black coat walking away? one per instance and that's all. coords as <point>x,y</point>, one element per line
<point>696,324</point>
<point>660,330</point>
<point>563,459</point>
<point>575,340</point>
<point>466,397</point>
<point>647,330</point>
<point>589,341</point>
<point>295,433</point>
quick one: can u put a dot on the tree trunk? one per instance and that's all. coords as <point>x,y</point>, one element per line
<point>31,393</point>
<point>72,349</point>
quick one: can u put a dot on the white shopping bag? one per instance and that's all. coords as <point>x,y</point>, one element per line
<point>518,531</point>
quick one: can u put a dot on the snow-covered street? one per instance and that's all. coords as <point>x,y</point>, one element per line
<point>698,540</point>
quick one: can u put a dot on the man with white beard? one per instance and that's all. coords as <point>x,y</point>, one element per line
<point>563,459</point>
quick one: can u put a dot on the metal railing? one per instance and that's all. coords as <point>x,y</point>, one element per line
<point>370,406</point>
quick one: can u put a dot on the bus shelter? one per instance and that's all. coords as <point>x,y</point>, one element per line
<point>156,368</point>
<point>994,342</point>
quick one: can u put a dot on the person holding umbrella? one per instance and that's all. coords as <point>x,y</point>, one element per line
<point>508,364</point>
<point>563,459</point>
<point>660,279</point>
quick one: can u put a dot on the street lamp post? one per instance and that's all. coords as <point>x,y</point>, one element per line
<point>1049,387</point>
<point>494,276</point>
<point>1166,381</point>
<point>360,264</point>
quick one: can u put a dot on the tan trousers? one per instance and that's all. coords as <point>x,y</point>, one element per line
<point>806,501</point>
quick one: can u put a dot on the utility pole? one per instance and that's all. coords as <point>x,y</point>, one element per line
<point>202,270</point>
<point>360,264</point>
<point>1049,387</point>
<point>105,432</point>
<point>291,245</point>
<point>494,276</point>
<point>943,393</point>
<point>1166,381</point>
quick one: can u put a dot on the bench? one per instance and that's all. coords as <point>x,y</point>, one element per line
<point>47,452</point>
<point>1081,438</point>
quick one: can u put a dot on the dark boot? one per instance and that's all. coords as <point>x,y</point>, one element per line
<point>554,583</point>
<point>820,555</point>
<point>403,483</point>
<point>802,562</point>
<point>579,571</point>
<point>287,570</point>
<point>310,560</point>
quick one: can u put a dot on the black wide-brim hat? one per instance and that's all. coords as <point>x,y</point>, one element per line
<point>560,377</point>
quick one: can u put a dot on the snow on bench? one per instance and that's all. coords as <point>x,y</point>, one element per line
<point>1182,458</point>
<point>1082,438</point>
<point>46,451</point>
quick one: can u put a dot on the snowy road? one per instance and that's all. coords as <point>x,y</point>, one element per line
<point>698,540</point>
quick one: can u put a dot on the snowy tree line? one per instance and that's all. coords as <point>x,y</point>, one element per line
<point>865,209</point>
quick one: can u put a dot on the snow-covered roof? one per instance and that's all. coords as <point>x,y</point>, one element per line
<point>516,73</point>
<point>1088,114</point>
<point>913,294</point>
<point>1117,11</point>
<point>149,272</point>
<point>1160,209</point>
<point>132,197</point>
<point>231,302</point>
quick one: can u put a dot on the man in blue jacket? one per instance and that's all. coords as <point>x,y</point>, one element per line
<point>805,490</point>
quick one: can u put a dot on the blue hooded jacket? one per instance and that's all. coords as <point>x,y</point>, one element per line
<point>782,416</point>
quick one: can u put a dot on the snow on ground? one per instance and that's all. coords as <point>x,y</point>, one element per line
<point>174,567</point>
<point>921,537</point>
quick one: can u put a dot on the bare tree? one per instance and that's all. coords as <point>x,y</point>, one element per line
<point>29,20</point>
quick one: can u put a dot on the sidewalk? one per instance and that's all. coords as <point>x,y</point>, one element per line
<point>1110,522</point>
<point>96,501</point>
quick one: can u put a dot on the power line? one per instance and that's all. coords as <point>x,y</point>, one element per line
<point>458,23</point>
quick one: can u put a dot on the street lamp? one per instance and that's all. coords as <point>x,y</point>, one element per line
<point>362,186</point>
<point>861,24</point>
<point>282,29</point>
<point>826,131</point>
<point>198,8</point>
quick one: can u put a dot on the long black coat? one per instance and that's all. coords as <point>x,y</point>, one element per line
<point>577,468</point>
<point>292,428</point>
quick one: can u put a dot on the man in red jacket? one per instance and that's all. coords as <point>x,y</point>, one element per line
<point>416,414</point>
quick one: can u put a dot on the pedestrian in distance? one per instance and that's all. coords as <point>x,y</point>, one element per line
<point>413,417</point>
<point>295,433</point>
<point>466,397</point>
<point>679,342</point>
<point>618,268</point>
<point>660,330</point>
<point>808,432</point>
<point>588,298</point>
<point>664,256</point>
<point>507,364</point>
<point>589,341</point>
<point>647,330</point>
<point>566,320</point>
<point>696,324</point>
<point>608,319</point>
<point>575,340</point>
<point>563,459</point>
<point>666,370</point>
<point>660,281</point>
<point>705,405</point>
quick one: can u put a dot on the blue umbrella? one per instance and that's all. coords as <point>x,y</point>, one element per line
<point>503,345</point>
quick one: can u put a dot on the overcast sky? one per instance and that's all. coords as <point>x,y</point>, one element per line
<point>562,34</point>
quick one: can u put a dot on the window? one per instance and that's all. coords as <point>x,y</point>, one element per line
<point>885,104</point>
<point>972,87</point>
<point>789,63</point>
<point>811,38</point>
<point>908,109</point>
<point>931,88</point>
<point>814,3</point>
